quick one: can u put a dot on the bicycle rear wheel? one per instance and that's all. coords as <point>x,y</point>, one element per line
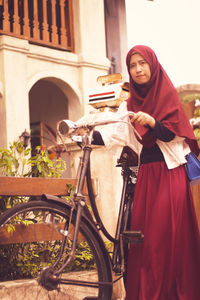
<point>31,237</point>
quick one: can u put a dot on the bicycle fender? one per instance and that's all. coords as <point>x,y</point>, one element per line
<point>52,198</point>
<point>63,202</point>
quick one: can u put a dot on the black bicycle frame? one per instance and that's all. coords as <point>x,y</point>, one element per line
<point>123,223</point>
<point>82,210</point>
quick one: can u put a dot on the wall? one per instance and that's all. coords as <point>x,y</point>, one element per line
<point>116,35</point>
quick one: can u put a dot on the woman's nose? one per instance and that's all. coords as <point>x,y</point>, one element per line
<point>138,68</point>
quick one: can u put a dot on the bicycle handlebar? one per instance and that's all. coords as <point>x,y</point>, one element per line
<point>69,128</point>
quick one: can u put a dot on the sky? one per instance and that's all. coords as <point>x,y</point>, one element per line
<point>172,29</point>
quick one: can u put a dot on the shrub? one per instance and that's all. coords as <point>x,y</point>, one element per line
<point>17,161</point>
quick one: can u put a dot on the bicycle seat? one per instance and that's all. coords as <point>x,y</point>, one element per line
<point>128,157</point>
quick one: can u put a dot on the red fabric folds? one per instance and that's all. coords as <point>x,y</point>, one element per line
<point>159,98</point>
<point>167,265</point>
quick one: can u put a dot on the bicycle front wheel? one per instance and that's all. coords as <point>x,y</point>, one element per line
<point>32,249</point>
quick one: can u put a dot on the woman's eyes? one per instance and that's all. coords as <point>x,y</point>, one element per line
<point>143,62</point>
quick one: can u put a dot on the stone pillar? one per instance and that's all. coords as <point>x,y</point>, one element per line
<point>14,101</point>
<point>116,35</point>
<point>90,44</point>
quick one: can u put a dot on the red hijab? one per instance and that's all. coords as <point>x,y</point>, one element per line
<point>159,98</point>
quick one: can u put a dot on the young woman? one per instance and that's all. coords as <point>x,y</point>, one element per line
<point>167,265</point>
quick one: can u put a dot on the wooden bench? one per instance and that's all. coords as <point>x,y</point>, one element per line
<point>18,186</point>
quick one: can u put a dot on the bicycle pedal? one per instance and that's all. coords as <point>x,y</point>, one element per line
<point>133,236</point>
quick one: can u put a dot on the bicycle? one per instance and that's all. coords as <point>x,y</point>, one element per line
<point>73,231</point>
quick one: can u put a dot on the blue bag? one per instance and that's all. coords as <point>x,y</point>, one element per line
<point>192,168</point>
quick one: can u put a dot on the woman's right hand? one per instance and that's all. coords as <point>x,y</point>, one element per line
<point>143,119</point>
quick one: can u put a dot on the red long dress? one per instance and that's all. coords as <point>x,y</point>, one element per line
<point>167,265</point>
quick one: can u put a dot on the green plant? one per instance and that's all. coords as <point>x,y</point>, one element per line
<point>190,98</point>
<point>27,261</point>
<point>17,161</point>
<point>13,159</point>
<point>84,257</point>
<point>196,114</point>
<point>43,166</point>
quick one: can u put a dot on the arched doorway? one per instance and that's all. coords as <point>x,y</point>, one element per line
<point>51,100</point>
<point>47,105</point>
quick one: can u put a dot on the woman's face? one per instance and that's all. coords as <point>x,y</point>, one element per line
<point>139,69</point>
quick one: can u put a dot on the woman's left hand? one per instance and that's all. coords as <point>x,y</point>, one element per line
<point>143,119</point>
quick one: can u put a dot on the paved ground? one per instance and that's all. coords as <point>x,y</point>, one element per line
<point>29,290</point>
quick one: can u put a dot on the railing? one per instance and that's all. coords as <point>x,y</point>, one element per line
<point>44,22</point>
